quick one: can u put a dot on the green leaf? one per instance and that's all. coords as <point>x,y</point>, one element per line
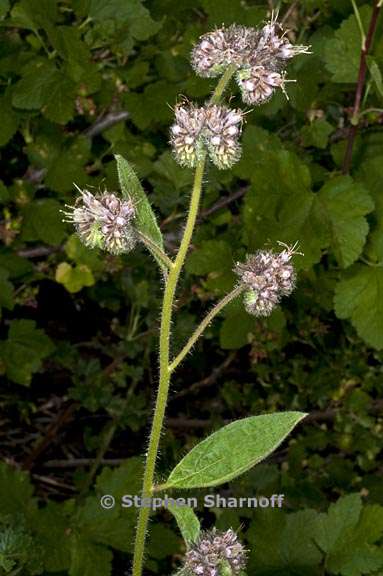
<point>9,118</point>
<point>24,350</point>
<point>359,297</point>
<point>188,523</point>
<point>60,107</point>
<point>347,534</point>
<point>6,291</point>
<point>317,133</point>
<point>34,89</point>
<point>216,459</point>
<point>342,52</point>
<point>237,326</point>
<point>281,208</point>
<point>145,219</point>
<point>43,221</point>
<point>344,204</point>
<point>16,490</point>
<point>53,531</point>
<point>131,15</point>
<point>88,559</point>
<point>342,516</point>
<point>283,544</point>
<point>376,74</point>
<point>74,278</point>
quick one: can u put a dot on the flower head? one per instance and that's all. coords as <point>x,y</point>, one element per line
<point>103,221</point>
<point>267,276</point>
<point>185,134</point>
<point>223,128</point>
<point>216,553</point>
<point>214,127</point>
<point>216,50</point>
<point>259,55</point>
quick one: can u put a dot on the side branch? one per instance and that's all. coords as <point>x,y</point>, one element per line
<point>360,86</point>
<point>204,324</point>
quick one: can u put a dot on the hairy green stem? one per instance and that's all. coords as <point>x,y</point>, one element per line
<point>166,318</point>
<point>204,324</point>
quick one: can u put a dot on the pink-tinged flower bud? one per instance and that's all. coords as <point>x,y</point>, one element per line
<point>259,55</point>
<point>103,221</point>
<point>185,134</point>
<point>267,276</point>
<point>223,128</point>
<point>214,554</point>
<point>257,84</point>
<point>216,50</point>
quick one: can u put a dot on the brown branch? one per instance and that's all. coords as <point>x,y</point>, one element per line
<point>63,417</point>
<point>360,87</point>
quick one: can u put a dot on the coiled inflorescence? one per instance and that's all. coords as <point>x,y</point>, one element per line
<point>216,128</point>
<point>103,221</point>
<point>215,553</point>
<point>258,55</point>
<point>267,277</point>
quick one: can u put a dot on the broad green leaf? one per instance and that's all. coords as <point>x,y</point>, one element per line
<point>347,535</point>
<point>359,297</point>
<point>281,208</point>
<point>342,516</point>
<point>53,531</point>
<point>163,542</point>
<point>43,221</point>
<point>283,543</point>
<point>67,166</point>
<point>88,559</point>
<point>317,133</point>
<point>23,351</point>
<point>342,52</point>
<point>74,278</point>
<point>188,523</point>
<point>217,460</point>
<point>16,490</point>
<point>344,204</point>
<point>60,107</point>
<point>34,89</point>
<point>131,15</point>
<point>145,219</point>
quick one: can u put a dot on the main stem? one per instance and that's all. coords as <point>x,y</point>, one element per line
<point>166,317</point>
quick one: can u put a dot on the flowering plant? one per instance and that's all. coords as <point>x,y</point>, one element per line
<point>256,60</point>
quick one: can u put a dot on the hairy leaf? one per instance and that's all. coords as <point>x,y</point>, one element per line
<point>216,459</point>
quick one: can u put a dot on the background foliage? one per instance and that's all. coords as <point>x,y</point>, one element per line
<point>82,80</point>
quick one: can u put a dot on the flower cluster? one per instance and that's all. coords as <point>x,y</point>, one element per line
<point>258,55</point>
<point>215,553</point>
<point>103,221</point>
<point>214,127</point>
<point>267,277</point>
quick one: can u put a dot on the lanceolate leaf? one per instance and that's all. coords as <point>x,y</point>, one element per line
<point>187,521</point>
<point>131,187</point>
<point>232,450</point>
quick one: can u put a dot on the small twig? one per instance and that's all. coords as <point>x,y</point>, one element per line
<point>53,482</point>
<point>77,462</point>
<point>50,435</point>
<point>106,122</point>
<point>360,87</point>
<point>222,202</point>
<point>208,381</point>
